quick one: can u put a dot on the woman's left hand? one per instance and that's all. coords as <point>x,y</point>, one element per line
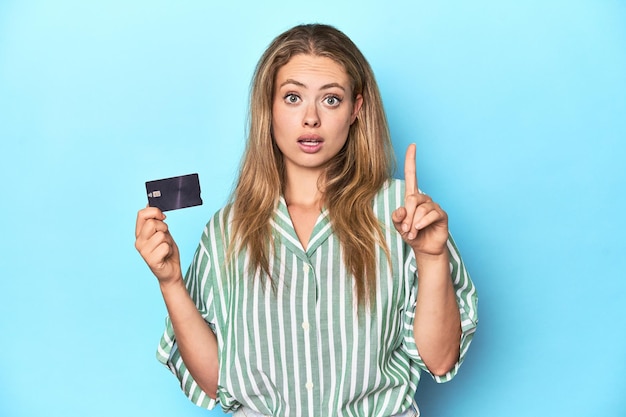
<point>421,222</point>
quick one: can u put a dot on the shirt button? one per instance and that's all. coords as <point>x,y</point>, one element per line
<point>309,386</point>
<point>305,325</point>
<point>306,268</point>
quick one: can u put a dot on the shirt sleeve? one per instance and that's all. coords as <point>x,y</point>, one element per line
<point>201,291</point>
<point>467,301</point>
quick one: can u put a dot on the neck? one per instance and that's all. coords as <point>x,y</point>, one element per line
<point>301,189</point>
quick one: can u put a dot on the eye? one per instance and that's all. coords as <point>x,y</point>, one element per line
<point>291,98</point>
<point>333,101</point>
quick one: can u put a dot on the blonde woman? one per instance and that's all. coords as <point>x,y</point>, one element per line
<point>302,298</point>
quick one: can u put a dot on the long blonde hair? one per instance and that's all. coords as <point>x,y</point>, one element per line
<point>352,178</point>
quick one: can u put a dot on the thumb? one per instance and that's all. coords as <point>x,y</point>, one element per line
<point>397,217</point>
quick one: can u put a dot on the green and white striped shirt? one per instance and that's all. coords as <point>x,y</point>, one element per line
<point>301,349</point>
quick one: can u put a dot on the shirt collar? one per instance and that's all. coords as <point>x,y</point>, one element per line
<point>283,228</point>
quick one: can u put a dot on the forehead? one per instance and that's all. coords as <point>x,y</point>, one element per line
<point>312,68</point>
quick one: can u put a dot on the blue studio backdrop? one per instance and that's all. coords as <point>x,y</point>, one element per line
<point>518,110</point>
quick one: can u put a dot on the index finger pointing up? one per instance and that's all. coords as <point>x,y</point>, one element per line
<point>410,176</point>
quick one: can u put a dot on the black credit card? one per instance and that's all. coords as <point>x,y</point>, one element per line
<point>174,193</point>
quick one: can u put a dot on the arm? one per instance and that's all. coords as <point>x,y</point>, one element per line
<point>424,226</point>
<point>437,323</point>
<point>196,342</point>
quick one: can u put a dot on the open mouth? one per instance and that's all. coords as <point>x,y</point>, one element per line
<point>310,142</point>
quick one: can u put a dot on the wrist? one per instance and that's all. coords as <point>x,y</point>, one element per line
<point>433,265</point>
<point>175,284</point>
<point>427,259</point>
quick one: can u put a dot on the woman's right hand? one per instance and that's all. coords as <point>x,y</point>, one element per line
<point>156,246</point>
<point>196,342</point>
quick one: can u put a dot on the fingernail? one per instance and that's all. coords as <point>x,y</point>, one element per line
<point>405,227</point>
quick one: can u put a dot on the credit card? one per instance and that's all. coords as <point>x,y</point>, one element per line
<point>174,193</point>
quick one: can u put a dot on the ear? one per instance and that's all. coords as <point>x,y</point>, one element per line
<point>358,102</point>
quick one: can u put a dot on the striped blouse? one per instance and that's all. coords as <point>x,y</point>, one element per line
<point>301,348</point>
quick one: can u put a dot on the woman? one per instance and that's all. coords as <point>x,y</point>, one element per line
<point>302,295</point>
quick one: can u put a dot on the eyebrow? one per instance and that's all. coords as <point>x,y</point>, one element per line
<point>324,87</point>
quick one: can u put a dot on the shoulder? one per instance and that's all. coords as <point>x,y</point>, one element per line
<point>388,198</point>
<point>218,226</point>
<point>392,189</point>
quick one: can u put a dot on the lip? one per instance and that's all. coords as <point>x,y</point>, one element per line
<point>310,143</point>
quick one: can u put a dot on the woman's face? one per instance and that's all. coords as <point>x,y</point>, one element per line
<point>312,112</point>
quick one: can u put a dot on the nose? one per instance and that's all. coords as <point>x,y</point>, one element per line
<point>311,116</point>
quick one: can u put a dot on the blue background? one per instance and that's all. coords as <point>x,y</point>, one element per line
<point>519,113</point>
